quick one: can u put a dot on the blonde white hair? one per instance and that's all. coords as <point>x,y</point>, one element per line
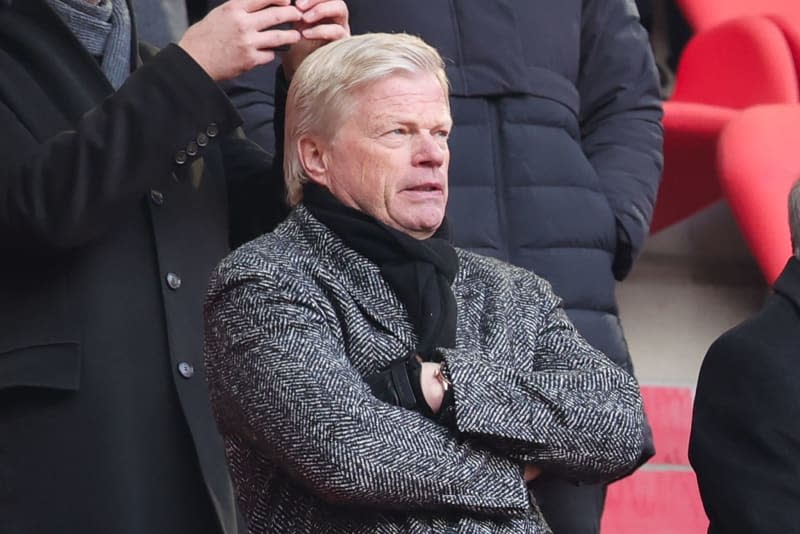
<point>321,92</point>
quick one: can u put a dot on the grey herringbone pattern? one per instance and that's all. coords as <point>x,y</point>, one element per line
<point>295,319</point>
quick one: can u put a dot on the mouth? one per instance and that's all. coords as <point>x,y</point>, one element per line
<point>426,188</point>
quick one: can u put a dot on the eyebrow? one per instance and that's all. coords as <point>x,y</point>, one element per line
<point>389,118</point>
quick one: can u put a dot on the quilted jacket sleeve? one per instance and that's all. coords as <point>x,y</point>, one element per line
<point>621,118</point>
<point>280,381</point>
<point>546,396</point>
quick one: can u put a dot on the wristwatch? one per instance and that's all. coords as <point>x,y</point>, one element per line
<point>440,374</point>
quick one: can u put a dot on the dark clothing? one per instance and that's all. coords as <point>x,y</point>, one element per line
<point>420,271</point>
<point>556,147</point>
<point>161,21</point>
<point>745,440</point>
<point>645,8</point>
<point>109,228</point>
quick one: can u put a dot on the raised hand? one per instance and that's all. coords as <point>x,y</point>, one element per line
<point>236,36</point>
<point>322,21</point>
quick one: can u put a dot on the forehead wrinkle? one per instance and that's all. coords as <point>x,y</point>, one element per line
<point>404,115</point>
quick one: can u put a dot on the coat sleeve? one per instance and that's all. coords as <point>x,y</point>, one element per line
<point>745,438</point>
<point>66,191</point>
<point>620,118</point>
<point>254,165</point>
<point>555,402</point>
<point>254,95</point>
<point>256,193</point>
<point>281,382</point>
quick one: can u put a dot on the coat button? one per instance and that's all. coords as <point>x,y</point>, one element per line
<point>157,197</point>
<point>173,281</point>
<point>202,139</point>
<point>191,148</point>
<point>180,157</point>
<point>186,369</point>
<point>212,130</point>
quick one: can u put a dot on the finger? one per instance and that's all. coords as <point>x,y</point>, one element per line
<point>263,57</point>
<point>308,4</point>
<point>325,32</point>
<point>267,18</point>
<point>335,10</point>
<point>270,39</point>
<point>252,6</point>
<point>532,472</point>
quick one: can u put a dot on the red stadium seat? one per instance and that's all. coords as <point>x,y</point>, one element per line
<point>730,67</point>
<point>759,160</point>
<point>704,14</point>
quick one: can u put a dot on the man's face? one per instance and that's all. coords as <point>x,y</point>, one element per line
<point>389,157</point>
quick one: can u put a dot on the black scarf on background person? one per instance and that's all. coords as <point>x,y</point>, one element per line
<point>420,271</point>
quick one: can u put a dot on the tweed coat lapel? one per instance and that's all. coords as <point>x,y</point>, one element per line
<point>361,278</point>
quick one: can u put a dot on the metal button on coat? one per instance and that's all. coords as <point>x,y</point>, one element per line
<point>191,148</point>
<point>186,369</point>
<point>202,139</point>
<point>173,281</point>
<point>180,157</point>
<point>157,197</point>
<point>212,130</point>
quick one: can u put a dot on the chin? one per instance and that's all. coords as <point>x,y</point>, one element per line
<point>428,229</point>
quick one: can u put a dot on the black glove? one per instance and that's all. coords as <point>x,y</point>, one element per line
<point>399,384</point>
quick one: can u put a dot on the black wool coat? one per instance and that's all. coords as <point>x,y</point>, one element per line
<point>745,439</point>
<point>113,211</point>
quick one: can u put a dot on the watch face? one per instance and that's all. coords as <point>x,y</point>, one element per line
<point>441,378</point>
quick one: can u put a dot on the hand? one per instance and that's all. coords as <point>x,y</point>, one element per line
<point>432,388</point>
<point>234,37</point>
<point>530,472</point>
<point>322,21</point>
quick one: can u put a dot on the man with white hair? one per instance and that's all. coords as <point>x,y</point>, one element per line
<point>745,440</point>
<point>367,376</point>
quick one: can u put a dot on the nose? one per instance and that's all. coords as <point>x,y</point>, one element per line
<point>430,150</point>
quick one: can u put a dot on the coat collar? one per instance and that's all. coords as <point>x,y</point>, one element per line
<point>788,283</point>
<point>360,277</point>
<point>70,75</point>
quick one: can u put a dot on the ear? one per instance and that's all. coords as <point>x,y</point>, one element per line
<point>311,151</point>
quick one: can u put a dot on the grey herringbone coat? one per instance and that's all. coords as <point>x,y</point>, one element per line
<point>296,319</point>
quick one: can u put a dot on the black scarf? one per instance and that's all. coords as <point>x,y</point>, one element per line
<point>419,271</point>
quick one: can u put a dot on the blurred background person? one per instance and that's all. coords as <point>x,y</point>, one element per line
<point>745,441</point>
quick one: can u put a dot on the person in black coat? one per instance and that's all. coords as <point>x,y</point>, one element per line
<point>115,182</point>
<point>745,438</point>
<point>556,154</point>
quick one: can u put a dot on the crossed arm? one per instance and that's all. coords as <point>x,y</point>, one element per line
<point>281,380</point>
<point>551,400</point>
